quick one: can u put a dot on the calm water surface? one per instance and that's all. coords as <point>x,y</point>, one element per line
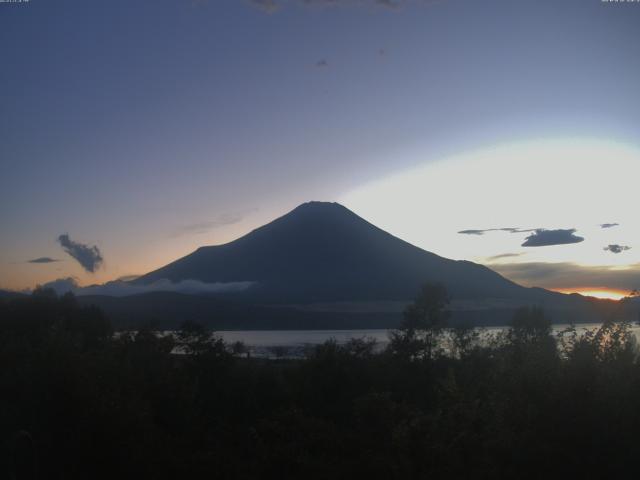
<point>294,342</point>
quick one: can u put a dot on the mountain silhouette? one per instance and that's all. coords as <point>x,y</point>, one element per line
<point>323,252</point>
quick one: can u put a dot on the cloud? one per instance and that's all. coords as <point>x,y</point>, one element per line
<point>505,255</point>
<point>43,260</point>
<point>539,238</point>
<point>569,275</point>
<point>207,226</point>
<point>268,6</point>
<point>608,225</point>
<point>60,285</point>
<point>322,63</point>
<point>545,238</point>
<point>128,278</point>
<point>615,248</point>
<point>120,288</point>
<point>88,257</point>
<point>504,229</point>
<point>389,3</point>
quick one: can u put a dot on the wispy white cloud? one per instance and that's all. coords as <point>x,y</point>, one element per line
<point>206,226</point>
<point>120,288</point>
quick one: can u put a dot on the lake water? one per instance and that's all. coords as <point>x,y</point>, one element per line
<point>294,342</point>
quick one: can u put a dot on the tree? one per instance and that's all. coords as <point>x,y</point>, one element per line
<point>529,325</point>
<point>612,342</point>
<point>464,338</point>
<point>423,324</point>
<point>195,339</point>
<point>530,336</point>
<point>239,348</point>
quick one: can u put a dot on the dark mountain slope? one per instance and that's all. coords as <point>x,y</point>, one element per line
<point>324,252</point>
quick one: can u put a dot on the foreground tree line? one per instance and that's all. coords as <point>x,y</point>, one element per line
<point>77,401</point>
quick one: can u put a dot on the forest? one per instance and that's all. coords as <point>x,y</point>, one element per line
<point>79,400</point>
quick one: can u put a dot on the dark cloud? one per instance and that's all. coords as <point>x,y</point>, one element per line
<point>608,225</point>
<point>570,275</point>
<point>43,260</point>
<point>545,238</point>
<point>88,257</point>
<point>504,229</point>
<point>539,238</point>
<point>519,230</point>
<point>615,248</point>
<point>505,255</point>
<point>322,63</point>
<point>204,227</point>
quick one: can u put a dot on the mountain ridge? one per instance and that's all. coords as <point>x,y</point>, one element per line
<point>322,251</point>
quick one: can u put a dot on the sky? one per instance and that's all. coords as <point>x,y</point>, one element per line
<point>133,132</point>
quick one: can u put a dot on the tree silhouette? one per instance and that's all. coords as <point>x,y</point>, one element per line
<point>423,323</point>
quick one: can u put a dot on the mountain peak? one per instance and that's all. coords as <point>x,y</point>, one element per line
<point>319,204</point>
<point>315,206</point>
<point>314,218</point>
<point>322,251</point>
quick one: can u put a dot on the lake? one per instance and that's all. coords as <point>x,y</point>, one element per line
<point>294,342</point>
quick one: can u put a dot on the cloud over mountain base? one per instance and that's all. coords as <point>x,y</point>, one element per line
<point>120,288</point>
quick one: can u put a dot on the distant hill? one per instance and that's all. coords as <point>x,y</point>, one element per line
<point>323,252</point>
<point>10,294</point>
<point>323,266</point>
<point>166,310</point>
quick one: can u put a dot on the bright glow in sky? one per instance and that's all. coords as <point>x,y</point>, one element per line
<point>552,184</point>
<point>610,294</point>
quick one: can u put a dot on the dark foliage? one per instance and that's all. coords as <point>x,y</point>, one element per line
<point>77,401</point>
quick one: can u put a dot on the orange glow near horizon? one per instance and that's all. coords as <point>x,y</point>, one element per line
<point>607,293</point>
